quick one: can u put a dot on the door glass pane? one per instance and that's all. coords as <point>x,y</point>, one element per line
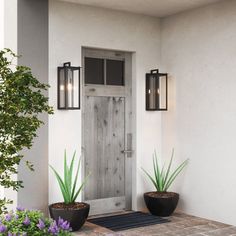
<point>62,83</point>
<point>70,90</point>
<point>115,72</point>
<point>73,88</point>
<point>94,70</point>
<point>162,92</point>
<point>152,92</point>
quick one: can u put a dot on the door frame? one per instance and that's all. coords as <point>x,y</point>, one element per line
<point>129,113</point>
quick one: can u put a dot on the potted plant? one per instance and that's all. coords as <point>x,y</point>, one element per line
<point>74,212</point>
<point>161,202</point>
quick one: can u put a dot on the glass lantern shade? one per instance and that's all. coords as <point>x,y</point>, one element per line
<point>156,91</point>
<point>68,87</point>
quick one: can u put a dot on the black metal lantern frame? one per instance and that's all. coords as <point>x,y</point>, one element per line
<point>68,87</point>
<point>156,91</point>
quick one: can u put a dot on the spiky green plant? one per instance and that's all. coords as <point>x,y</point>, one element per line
<point>68,185</point>
<point>163,178</point>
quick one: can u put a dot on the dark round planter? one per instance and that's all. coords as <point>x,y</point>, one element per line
<point>161,204</point>
<point>76,217</point>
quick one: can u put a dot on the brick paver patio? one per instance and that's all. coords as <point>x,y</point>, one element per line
<point>180,225</point>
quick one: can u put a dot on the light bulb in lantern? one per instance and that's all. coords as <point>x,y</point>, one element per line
<point>69,87</point>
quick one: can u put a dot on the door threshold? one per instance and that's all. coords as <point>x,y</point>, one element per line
<point>110,214</point>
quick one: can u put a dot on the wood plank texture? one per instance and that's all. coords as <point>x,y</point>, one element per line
<point>104,90</point>
<point>104,140</point>
<point>113,204</point>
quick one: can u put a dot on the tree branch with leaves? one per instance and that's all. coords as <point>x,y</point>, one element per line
<point>22,99</point>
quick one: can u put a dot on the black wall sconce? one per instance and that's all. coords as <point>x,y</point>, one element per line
<point>156,91</point>
<point>68,87</point>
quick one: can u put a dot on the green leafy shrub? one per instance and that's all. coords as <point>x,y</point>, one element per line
<point>21,101</point>
<point>31,223</point>
<point>163,178</point>
<point>68,186</point>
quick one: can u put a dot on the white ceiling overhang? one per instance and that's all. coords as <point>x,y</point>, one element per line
<point>158,8</point>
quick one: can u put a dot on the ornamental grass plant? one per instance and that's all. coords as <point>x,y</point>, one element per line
<point>164,177</point>
<point>68,184</point>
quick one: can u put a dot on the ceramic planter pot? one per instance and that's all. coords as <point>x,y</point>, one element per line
<point>75,216</point>
<point>161,204</point>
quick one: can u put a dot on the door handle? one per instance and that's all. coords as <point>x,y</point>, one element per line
<point>127,151</point>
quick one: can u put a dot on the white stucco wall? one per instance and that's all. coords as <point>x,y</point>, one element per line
<point>72,26</point>
<point>199,52</point>
<point>10,41</point>
<point>1,24</point>
<point>25,33</point>
<point>32,44</point>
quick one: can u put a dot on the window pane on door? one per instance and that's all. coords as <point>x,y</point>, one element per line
<point>94,70</point>
<point>115,72</point>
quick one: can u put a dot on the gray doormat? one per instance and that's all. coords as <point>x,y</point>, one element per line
<point>128,221</point>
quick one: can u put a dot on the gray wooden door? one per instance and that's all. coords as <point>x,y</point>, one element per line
<point>107,135</point>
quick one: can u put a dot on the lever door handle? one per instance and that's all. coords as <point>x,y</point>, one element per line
<point>128,147</point>
<point>126,151</point>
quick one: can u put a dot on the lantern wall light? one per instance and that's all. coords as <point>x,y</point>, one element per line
<point>68,87</point>
<point>156,91</point>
